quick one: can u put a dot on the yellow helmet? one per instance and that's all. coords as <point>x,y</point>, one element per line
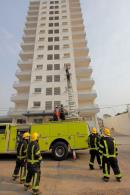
<point>35,136</point>
<point>94,130</point>
<point>107,131</point>
<point>26,135</point>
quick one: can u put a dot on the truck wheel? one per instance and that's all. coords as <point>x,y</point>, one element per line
<point>60,151</point>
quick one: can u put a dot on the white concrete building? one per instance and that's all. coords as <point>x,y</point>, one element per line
<point>54,39</point>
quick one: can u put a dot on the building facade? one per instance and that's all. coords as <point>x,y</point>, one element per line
<point>54,41</point>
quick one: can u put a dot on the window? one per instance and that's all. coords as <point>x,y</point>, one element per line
<point>50,18</point>
<point>50,24</point>
<point>57,18</point>
<point>37,90</point>
<point>56,66</point>
<point>51,12</point>
<point>39,66</point>
<point>57,91</point>
<point>65,30</point>
<point>56,7</point>
<point>56,56</point>
<point>36,104</point>
<point>56,12</point>
<point>64,17</point>
<point>51,7</point>
<point>65,38</point>
<point>43,18</point>
<point>56,2</point>
<point>44,12</point>
<point>43,24</point>
<point>49,66</point>
<point>42,31</point>
<point>56,31</point>
<point>56,38</point>
<point>64,23</point>
<point>48,91</point>
<point>67,65</point>
<point>56,47</point>
<point>40,47</point>
<point>49,78</point>
<point>38,78</point>
<point>51,2</point>
<point>44,7</point>
<point>57,103</point>
<point>56,24</point>
<point>48,105</point>
<point>50,31</point>
<point>2,129</point>
<point>66,55</point>
<point>50,57</point>
<point>63,6</point>
<point>40,56</point>
<point>64,11</point>
<point>50,47</point>
<point>56,78</point>
<point>41,39</point>
<point>50,39</point>
<point>66,46</point>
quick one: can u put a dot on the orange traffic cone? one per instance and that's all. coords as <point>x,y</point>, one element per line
<point>74,155</point>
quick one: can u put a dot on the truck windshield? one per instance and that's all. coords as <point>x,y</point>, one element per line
<point>2,129</point>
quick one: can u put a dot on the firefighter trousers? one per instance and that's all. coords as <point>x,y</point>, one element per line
<point>33,175</point>
<point>20,169</point>
<point>108,163</point>
<point>94,154</point>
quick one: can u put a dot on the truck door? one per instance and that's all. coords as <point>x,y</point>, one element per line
<point>3,136</point>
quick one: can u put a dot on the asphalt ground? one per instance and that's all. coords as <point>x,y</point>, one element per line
<point>71,177</point>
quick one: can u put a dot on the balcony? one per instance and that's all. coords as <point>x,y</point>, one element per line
<point>77,26</point>
<point>25,55</point>
<point>23,75</point>
<point>89,109</point>
<point>30,31</point>
<point>75,15</point>
<point>31,25</point>
<point>27,46</point>
<point>79,45</point>
<point>17,111</point>
<point>18,84</point>
<point>85,60</point>
<point>27,64</point>
<point>78,36</point>
<point>75,10</point>
<point>83,72</point>
<point>32,18</point>
<point>80,52</point>
<point>29,38</point>
<point>84,96</point>
<point>19,97</point>
<point>33,13</point>
<point>84,84</point>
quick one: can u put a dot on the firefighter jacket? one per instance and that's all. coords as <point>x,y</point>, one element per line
<point>108,147</point>
<point>22,149</point>
<point>33,153</point>
<point>93,141</point>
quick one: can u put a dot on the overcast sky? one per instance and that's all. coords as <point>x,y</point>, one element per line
<point>107,24</point>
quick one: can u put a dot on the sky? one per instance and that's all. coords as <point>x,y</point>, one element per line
<point>107,25</point>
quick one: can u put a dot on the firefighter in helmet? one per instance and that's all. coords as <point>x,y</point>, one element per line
<point>93,143</point>
<point>20,168</point>
<point>108,149</point>
<point>34,159</point>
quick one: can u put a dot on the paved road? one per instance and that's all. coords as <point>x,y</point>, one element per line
<point>71,177</point>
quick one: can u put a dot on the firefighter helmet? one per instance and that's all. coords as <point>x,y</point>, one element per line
<point>26,135</point>
<point>107,131</point>
<point>94,130</point>
<point>35,136</point>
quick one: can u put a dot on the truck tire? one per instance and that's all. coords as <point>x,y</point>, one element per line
<point>60,151</point>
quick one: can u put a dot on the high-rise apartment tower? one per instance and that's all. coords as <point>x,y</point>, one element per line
<point>53,43</point>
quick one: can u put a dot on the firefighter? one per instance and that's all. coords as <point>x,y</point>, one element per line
<point>62,112</point>
<point>20,168</point>
<point>109,152</point>
<point>93,143</point>
<point>34,159</point>
<point>56,114</point>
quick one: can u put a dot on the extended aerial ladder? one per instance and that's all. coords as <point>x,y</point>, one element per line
<point>71,101</point>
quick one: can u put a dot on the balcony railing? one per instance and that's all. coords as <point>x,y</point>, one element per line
<point>21,84</point>
<point>89,109</point>
<point>19,97</point>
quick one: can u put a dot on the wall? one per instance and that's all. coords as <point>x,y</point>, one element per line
<point>120,123</point>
